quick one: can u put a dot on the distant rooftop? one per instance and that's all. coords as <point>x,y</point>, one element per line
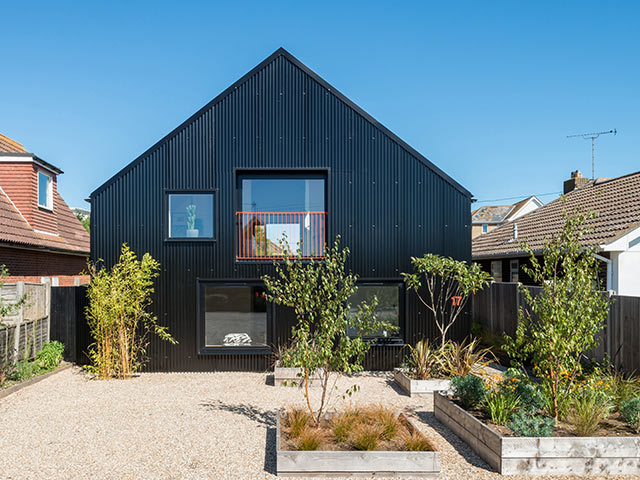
<point>8,145</point>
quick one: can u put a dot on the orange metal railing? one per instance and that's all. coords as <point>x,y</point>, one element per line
<point>265,235</point>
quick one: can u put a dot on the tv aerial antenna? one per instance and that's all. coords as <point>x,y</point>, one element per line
<point>593,137</point>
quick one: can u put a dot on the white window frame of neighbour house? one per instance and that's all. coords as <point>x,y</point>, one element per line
<point>485,228</point>
<point>514,268</point>
<point>49,190</point>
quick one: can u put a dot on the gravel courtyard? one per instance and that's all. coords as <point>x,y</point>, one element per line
<point>182,426</point>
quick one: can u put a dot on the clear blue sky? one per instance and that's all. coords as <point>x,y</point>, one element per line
<point>487,90</point>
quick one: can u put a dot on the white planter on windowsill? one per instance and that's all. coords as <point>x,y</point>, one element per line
<point>193,233</point>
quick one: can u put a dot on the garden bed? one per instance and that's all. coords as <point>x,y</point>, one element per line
<point>540,455</point>
<point>416,387</point>
<point>339,458</point>
<point>13,386</point>
<point>290,375</point>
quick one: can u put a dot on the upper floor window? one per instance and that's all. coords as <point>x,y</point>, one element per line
<point>45,191</point>
<point>281,211</point>
<point>191,215</point>
<point>485,228</point>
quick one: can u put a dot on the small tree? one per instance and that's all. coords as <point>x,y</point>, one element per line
<point>449,284</point>
<point>319,294</point>
<point>561,323</point>
<point>118,315</point>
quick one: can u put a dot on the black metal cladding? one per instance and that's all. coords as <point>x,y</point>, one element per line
<point>386,200</point>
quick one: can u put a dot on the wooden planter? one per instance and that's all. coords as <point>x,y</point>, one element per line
<point>419,387</point>
<point>291,375</point>
<point>540,455</point>
<point>333,463</point>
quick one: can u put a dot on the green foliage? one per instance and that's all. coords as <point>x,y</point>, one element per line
<point>118,314</point>
<point>501,403</point>
<point>589,408</point>
<point>50,356</point>
<point>559,324</point>
<point>449,283</point>
<point>85,220</point>
<point>424,361</point>
<point>531,398</point>
<point>470,390</point>
<point>630,413</point>
<point>319,293</point>
<point>460,359</point>
<point>525,424</point>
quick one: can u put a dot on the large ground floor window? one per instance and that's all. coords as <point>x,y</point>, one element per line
<point>390,306</point>
<point>232,316</point>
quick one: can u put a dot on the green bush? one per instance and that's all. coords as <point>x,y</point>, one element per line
<point>526,425</point>
<point>531,398</point>
<point>501,403</point>
<point>630,413</point>
<point>470,390</point>
<point>50,356</point>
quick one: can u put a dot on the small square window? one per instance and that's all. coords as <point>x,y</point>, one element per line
<point>389,308</point>
<point>45,191</point>
<point>191,215</point>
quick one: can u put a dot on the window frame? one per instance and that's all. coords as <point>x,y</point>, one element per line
<point>49,205</point>
<point>165,216</point>
<point>238,172</point>
<point>203,349</point>
<point>403,307</point>
<point>485,228</point>
<point>515,262</point>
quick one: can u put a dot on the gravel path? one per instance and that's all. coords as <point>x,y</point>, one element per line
<point>182,426</point>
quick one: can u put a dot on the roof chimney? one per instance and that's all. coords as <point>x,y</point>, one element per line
<point>576,181</point>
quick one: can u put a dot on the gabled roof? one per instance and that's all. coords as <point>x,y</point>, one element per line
<point>491,214</point>
<point>616,202</point>
<point>15,230</point>
<point>8,145</point>
<point>284,53</point>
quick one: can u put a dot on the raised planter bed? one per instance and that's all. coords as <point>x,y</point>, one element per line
<point>4,392</point>
<point>540,455</point>
<point>419,387</point>
<point>332,463</point>
<point>290,375</point>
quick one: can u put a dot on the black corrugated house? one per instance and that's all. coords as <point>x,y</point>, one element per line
<point>278,152</point>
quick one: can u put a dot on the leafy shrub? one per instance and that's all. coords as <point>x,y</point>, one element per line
<point>501,403</point>
<point>531,398</point>
<point>425,361</point>
<point>414,441</point>
<point>524,424</point>
<point>311,438</point>
<point>460,359</point>
<point>296,421</point>
<point>630,413</point>
<point>366,436</point>
<point>470,390</point>
<point>589,408</point>
<point>50,356</point>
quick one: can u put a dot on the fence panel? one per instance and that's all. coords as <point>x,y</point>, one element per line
<point>497,307</point>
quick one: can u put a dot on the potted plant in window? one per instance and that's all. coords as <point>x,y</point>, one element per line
<point>191,221</point>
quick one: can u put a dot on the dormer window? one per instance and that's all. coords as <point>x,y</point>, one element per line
<point>45,191</point>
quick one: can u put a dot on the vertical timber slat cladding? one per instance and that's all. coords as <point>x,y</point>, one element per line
<point>386,200</point>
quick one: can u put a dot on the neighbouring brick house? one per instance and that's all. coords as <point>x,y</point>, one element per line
<point>615,231</point>
<point>40,237</point>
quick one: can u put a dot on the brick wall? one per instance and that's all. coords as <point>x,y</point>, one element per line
<point>31,266</point>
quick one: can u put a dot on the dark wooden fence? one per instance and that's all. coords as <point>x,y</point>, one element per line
<point>497,308</point>
<point>68,324</point>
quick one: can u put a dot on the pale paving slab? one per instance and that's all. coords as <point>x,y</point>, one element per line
<point>180,426</point>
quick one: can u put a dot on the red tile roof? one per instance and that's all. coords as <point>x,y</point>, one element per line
<point>616,202</point>
<point>71,235</point>
<point>7,145</point>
